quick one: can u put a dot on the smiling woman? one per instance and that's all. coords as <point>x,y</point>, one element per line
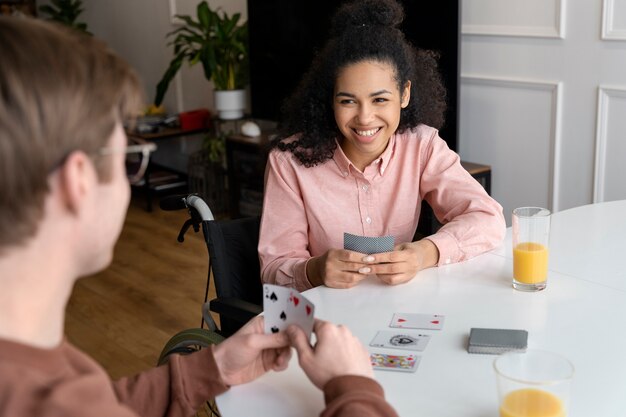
<point>358,152</point>
<point>367,109</point>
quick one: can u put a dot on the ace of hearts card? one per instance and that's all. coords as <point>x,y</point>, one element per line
<point>417,321</point>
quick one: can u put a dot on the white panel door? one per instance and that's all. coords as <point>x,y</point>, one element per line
<point>579,46</point>
<point>610,177</point>
<point>513,120</point>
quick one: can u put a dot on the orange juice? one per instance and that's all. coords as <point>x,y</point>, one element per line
<point>530,262</point>
<point>529,402</point>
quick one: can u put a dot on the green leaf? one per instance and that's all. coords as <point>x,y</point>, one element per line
<point>229,25</point>
<point>189,21</point>
<point>204,14</point>
<point>169,75</point>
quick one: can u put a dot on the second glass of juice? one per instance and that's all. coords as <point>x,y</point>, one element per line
<point>531,235</point>
<point>533,384</point>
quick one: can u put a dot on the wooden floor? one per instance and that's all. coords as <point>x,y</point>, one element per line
<point>154,288</point>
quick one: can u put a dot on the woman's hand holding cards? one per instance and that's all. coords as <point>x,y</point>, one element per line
<point>406,260</point>
<point>337,352</point>
<point>344,268</point>
<point>337,268</point>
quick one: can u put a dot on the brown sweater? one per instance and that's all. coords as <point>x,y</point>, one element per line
<point>66,382</point>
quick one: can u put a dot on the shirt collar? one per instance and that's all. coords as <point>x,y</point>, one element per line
<point>342,161</point>
<point>344,164</point>
<point>386,156</point>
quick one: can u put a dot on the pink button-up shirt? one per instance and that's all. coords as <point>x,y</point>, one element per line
<point>307,210</point>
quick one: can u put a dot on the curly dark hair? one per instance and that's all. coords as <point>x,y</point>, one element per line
<point>361,30</point>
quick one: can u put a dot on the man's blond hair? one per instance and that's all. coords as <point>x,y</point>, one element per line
<point>60,91</point>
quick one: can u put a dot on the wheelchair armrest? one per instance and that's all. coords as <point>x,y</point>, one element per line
<point>235,309</point>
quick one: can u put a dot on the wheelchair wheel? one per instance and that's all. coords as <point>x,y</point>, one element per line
<point>188,341</point>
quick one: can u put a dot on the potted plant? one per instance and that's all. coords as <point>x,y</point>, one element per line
<point>219,42</point>
<point>65,12</point>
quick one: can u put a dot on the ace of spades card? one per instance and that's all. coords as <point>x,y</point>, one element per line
<point>284,306</point>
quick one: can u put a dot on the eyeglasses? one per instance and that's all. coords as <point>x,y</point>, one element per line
<point>137,158</point>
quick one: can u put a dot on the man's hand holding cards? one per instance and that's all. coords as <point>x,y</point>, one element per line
<point>284,306</point>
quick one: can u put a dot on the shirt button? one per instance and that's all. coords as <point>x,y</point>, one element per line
<point>344,173</point>
<point>368,220</point>
<point>365,187</point>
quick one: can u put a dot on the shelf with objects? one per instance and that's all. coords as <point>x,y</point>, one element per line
<point>246,156</point>
<point>167,171</point>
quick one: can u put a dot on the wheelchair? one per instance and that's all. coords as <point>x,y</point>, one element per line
<point>234,267</point>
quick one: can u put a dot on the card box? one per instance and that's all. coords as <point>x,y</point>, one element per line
<point>497,341</point>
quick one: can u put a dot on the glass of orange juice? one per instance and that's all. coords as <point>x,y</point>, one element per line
<point>533,384</point>
<point>531,235</point>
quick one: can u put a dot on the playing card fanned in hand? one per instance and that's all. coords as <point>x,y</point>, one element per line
<point>368,245</point>
<point>284,306</point>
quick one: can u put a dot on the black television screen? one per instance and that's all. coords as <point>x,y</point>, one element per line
<point>284,35</point>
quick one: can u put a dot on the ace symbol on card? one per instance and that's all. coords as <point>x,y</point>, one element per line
<point>285,306</point>
<point>417,321</point>
<point>394,339</point>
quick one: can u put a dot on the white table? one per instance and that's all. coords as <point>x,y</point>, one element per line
<point>581,314</point>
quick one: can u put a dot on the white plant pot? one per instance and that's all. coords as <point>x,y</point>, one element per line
<point>230,104</point>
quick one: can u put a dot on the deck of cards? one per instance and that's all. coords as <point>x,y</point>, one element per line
<point>368,245</point>
<point>403,339</point>
<point>284,306</point>
<point>497,341</point>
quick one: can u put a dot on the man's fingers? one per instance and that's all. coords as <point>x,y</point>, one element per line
<point>282,359</point>
<point>269,341</point>
<point>298,340</point>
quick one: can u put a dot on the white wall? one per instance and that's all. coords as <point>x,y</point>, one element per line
<point>137,30</point>
<point>543,99</point>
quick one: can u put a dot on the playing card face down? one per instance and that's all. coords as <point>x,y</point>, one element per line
<point>394,339</point>
<point>497,341</point>
<point>400,363</point>
<point>284,306</point>
<point>368,245</point>
<point>417,321</point>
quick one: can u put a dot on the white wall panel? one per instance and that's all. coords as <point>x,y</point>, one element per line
<point>514,126</point>
<point>614,19</point>
<point>610,167</point>
<point>534,18</point>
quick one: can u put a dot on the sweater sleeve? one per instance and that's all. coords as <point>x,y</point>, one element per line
<point>355,396</point>
<point>178,388</point>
